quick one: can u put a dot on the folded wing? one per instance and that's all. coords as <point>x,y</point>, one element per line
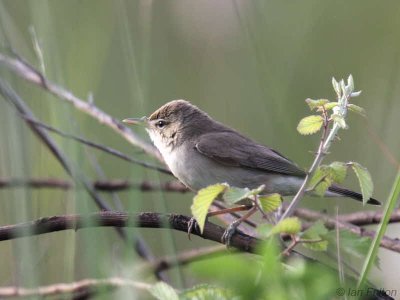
<point>233,149</point>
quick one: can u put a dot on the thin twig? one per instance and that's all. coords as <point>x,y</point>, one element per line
<point>317,161</point>
<point>326,140</point>
<point>29,73</point>
<point>331,223</point>
<point>360,218</point>
<point>111,185</point>
<point>85,285</point>
<point>103,148</point>
<point>295,240</point>
<point>10,95</point>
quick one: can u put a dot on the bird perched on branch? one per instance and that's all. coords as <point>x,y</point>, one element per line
<point>201,151</point>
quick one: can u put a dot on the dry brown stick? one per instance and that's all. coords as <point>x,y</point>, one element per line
<point>11,96</point>
<point>37,183</point>
<point>146,186</point>
<point>29,73</point>
<point>211,232</point>
<point>358,218</point>
<point>85,285</point>
<point>362,218</point>
<point>331,223</point>
<point>111,185</point>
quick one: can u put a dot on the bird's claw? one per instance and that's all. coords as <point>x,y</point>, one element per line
<point>192,225</point>
<point>229,232</point>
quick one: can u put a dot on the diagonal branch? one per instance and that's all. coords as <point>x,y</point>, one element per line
<point>32,75</point>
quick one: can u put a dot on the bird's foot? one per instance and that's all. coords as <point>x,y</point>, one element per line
<point>192,225</point>
<point>229,232</point>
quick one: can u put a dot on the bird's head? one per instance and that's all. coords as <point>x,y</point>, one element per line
<point>172,123</point>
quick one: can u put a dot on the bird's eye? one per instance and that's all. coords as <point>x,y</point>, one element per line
<point>161,123</point>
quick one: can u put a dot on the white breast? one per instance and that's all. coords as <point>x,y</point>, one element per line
<point>170,157</point>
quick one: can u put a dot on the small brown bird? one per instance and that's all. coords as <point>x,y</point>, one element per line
<point>201,151</point>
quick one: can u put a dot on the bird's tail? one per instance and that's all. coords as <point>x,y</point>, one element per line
<point>339,191</point>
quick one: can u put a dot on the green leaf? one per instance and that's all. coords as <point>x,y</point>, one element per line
<point>342,86</point>
<point>365,181</point>
<point>207,292</point>
<point>338,171</point>
<point>324,176</point>
<point>316,246</point>
<point>350,83</point>
<point>321,180</point>
<point>235,194</point>
<point>318,176</point>
<point>357,109</point>
<point>315,232</point>
<point>350,243</point>
<point>202,202</point>
<point>320,188</point>
<point>336,87</point>
<point>264,230</point>
<point>270,203</point>
<point>310,124</point>
<point>339,120</point>
<point>356,94</point>
<point>258,190</point>
<point>330,105</point>
<point>290,225</point>
<point>313,104</point>
<point>236,272</point>
<point>163,291</point>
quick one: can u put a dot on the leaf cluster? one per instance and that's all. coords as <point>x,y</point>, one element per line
<point>330,111</point>
<point>231,195</point>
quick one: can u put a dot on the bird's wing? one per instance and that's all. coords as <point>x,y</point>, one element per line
<point>233,149</point>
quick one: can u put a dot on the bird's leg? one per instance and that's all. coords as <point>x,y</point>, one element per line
<point>226,237</point>
<point>193,224</point>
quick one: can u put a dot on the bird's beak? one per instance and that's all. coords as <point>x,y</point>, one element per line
<point>136,121</point>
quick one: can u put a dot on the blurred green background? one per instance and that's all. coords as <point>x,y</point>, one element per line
<point>249,64</point>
